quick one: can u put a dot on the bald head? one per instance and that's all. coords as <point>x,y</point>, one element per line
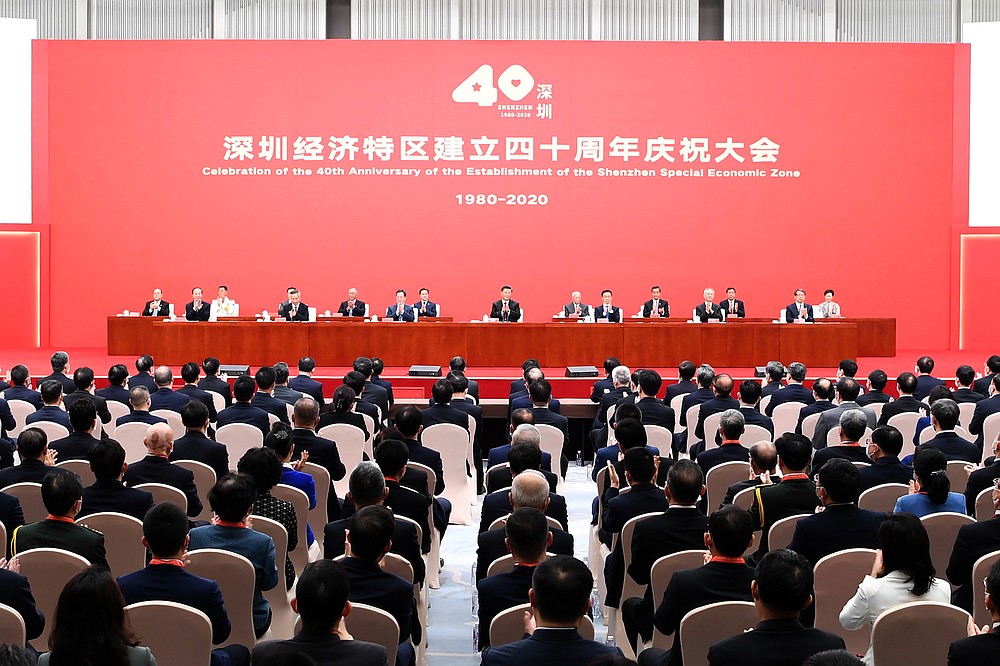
<point>763,457</point>
<point>530,489</point>
<point>723,385</point>
<point>163,376</point>
<point>159,439</point>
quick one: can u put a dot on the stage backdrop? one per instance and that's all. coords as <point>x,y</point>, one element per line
<point>462,166</point>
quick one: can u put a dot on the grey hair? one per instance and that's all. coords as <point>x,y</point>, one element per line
<point>706,374</point>
<point>797,371</point>
<point>367,482</point>
<point>621,375</point>
<point>163,376</point>
<point>946,411</point>
<point>526,434</point>
<point>529,489</point>
<point>732,420</point>
<point>138,395</point>
<point>776,367</point>
<point>853,422</point>
<point>60,358</point>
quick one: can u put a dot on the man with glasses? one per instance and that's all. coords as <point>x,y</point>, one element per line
<point>973,541</point>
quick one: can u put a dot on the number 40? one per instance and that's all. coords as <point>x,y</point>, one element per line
<point>515,83</point>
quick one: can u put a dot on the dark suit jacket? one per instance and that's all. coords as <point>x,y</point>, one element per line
<point>972,542</point>
<point>47,413</point>
<point>428,309</point>
<point>498,456</point>
<point>975,650</point>
<point>521,400</point>
<point>16,593</point>
<point>513,307</point>
<point>67,382</point>
<point>830,420</point>
<point>357,311</point>
<point>349,418</point>
<point>326,649</point>
<point>166,398</point>
<point>213,383</point>
<point>499,592</point>
<point>412,504</point>
<point>12,516</point>
<point>656,413</point>
<point>979,481</point>
<point>982,385</point>
<point>545,416</point>
<point>162,311</point>
<point>377,395</point>
<point>286,395</point>
<point>792,312</point>
<point>697,397</point>
<point>78,539</point>
<point>271,405</point>
<point>901,405</point>
<point>955,448</point>
<point>674,530</point>
<point>301,312</point>
<point>620,508</point>
<point>201,314</point>
<point>838,527</point>
<point>682,387</point>
<point>309,386</point>
<point>702,314</point>
<point>139,416</point>
<point>856,453</point>
<point>722,454</point>
<point>569,310</point>
<point>959,395</point>
<point>872,397</point>
<point>737,307</point>
<point>713,406</point>
<point>387,385</point>
<point>752,417</point>
<point>244,412</point>
<point>771,503</point>
<point>197,446</point>
<point>436,414</point>
<point>612,314</point>
<point>770,387</point>
<point>429,457</point>
<point>113,496</point>
<point>392,313</point>
<point>817,407</point>
<point>29,471</point>
<point>371,409</point>
<point>491,547</point>
<point>25,394</point>
<point>924,385</point>
<point>497,505</point>
<point>370,585</point>
<point>984,408</point>
<point>548,646</point>
<point>156,469</point>
<point>735,489</point>
<point>663,307</point>
<point>74,447</point>
<point>790,393</point>
<point>142,379</point>
<point>404,544</point>
<point>116,393</point>
<point>885,470</point>
<point>193,392</point>
<point>773,643</point>
<point>606,401</point>
<point>323,452</point>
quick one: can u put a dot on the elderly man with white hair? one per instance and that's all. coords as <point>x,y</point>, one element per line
<point>525,434</point>
<point>523,458</point>
<point>575,308</point>
<point>853,424</point>
<point>709,309</point>
<point>157,468</point>
<point>731,427</point>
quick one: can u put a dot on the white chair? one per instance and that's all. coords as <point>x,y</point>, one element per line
<point>370,426</point>
<point>20,410</point>
<point>239,438</point>
<point>754,433</point>
<point>552,443</point>
<point>52,430</point>
<point>720,477</point>
<point>272,419</point>
<point>979,572</point>
<point>706,626</point>
<point>204,479</point>
<point>313,311</point>
<point>122,540</point>
<point>984,505</point>
<point>958,475</point>
<point>132,437</point>
<point>160,624</point>
<point>764,402</point>
<point>942,528</point>
<point>173,420</point>
<point>785,417</point>
<point>12,629</point>
<point>691,418</point>
<point>965,413</point>
<point>906,423</point>
<point>282,616</point>
<point>48,570</point>
<point>711,428</point>
<point>30,496</point>
<point>81,468</point>
<point>299,556</point>
<point>351,445</point>
<point>117,410</point>
<point>236,578</point>
<point>218,399</point>
<point>780,534</point>
<point>508,626</point>
<point>836,579</point>
<point>882,498</point>
<point>919,632</point>
<point>659,437</point>
<point>321,477</point>
<point>991,429</point>
<point>453,443</point>
<point>809,425</point>
<point>161,492</point>
<point>659,577</point>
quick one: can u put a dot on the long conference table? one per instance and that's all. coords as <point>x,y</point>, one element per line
<point>639,343</point>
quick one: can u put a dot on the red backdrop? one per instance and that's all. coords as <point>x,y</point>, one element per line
<point>870,130</point>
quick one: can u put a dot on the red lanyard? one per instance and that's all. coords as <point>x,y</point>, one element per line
<point>722,559</point>
<point>60,519</point>
<point>176,563</point>
<point>226,523</point>
<point>795,477</point>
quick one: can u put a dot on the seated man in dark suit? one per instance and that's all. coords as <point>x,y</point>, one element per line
<point>457,364</point>
<point>241,410</point>
<point>877,379</point>
<point>853,423</point>
<point>83,418</point>
<point>304,383</point>
<point>848,390</point>
<point>653,411</point>
<point>731,428</point>
<point>524,459</point>
<point>263,399</point>
<point>734,307</point>
<point>643,497</point>
<point>498,454</point>
<point>606,310</point>
<point>749,400</point>
<point>944,418</point>
<point>984,409</point>
<point>190,373</point>
<point>197,309</point>
<point>983,644</point>
<point>165,534</point>
<point>352,307</point>
<point>524,434</point>
<point>822,391</point>
<point>321,451</point>
<point>156,467</point>
<point>925,380</point>
<point>195,444</point>
<point>378,367</point>
<point>906,384</point>
<point>602,386</point>
<point>883,449</point>
<point>370,538</point>
<point>972,542</point>
<point>559,597</point>
<point>775,373</point>
<point>685,382</point>
<point>459,401</point>
<point>505,309</point>
<point>621,389</point>
<point>705,376</point>
<point>629,433</point>
<point>356,382</point>
<point>723,400</point>
<point>281,390</point>
<point>36,460</point>
<point>655,307</point>
<point>399,311</point>
<point>527,492</point>
<point>52,396</point>
<point>156,307</point>
<point>212,381</point>
<point>321,602</point>
<point>62,494</point>
<point>367,487</point>
<point>409,421</point>
<point>108,493</point>
<point>724,577</point>
<point>990,370</point>
<point>794,391</point>
<point>15,592</point>
<point>391,458</point>
<point>541,395</point>
<point>681,527</point>
<point>575,308</point>
<point>165,397</point>
<point>60,368</point>
<point>841,525</point>
<point>522,398</point>
<point>763,463</point>
<point>520,385</point>
<point>799,310</point>
<point>781,589</point>
<point>708,310</point>
<point>20,388</point>
<point>979,480</point>
<point>373,393</point>
<point>424,307</point>
<point>965,378</point>
<point>138,398</point>
<point>528,538</point>
<point>117,376</point>
<point>143,373</point>
<point>296,310</point>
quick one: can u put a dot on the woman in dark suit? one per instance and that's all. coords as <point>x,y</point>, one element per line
<point>342,411</point>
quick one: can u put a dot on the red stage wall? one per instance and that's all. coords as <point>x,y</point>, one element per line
<point>867,204</point>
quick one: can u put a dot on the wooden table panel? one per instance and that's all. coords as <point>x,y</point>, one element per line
<point>654,344</point>
<point>825,345</point>
<point>340,343</point>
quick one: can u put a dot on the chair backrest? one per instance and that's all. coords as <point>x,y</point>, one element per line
<point>398,566</point>
<point>667,566</point>
<point>122,540</point>
<point>53,430</point>
<point>204,479</point>
<point>161,492</point>
<point>239,438</point>
<point>906,423</point>
<point>809,425</point>
<point>958,475</point>
<point>416,526</point>
<point>453,443</point>
<point>984,504</point>
<point>131,436</point>
<point>965,412</point>
<point>631,588</point>
<point>720,477</point>
<point>300,502</point>
<point>936,624</point>
<point>218,400</point>
<point>374,625</point>
<point>236,578</point>
<point>504,563</point>
<point>712,422</point>
<point>785,417</point>
<point>780,534</point>
<point>321,477</point>
<point>691,418</point>
<point>12,630</point>
<point>833,436</point>
<point>704,627</point>
<point>991,428</point>
<point>351,445</point>
<point>836,580</point>
<point>159,624</point>
<point>173,420</point>
<point>942,528</point>
<point>508,626</point>
<point>979,572</point>
<point>752,434</point>
<point>877,408</point>
<point>659,437</point>
<point>764,402</point>
<point>48,570</point>
<point>19,409</point>
<point>676,403</point>
<point>882,498</point>
<point>744,498</point>
<point>272,419</point>
<point>117,410</point>
<point>30,496</point>
<point>282,616</point>
<point>493,470</point>
<point>552,441</point>
<point>370,425</point>
<point>81,468</point>
<point>431,476</point>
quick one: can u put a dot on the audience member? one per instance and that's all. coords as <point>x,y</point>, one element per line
<point>83,418</point>
<point>984,409</point>
<point>853,424</point>
<point>524,434</point>
<point>792,495</point>
<point>731,427</point>
<point>749,400</point>
<point>794,391</point>
<point>930,489</point>
<point>906,384</point>
<point>822,391</point>
<point>213,381</point>
<point>723,400</point>
<point>925,380</point>
<point>20,387</point>
<point>281,391</point>
<point>51,392</point>
<point>143,374</point>
<point>108,493</point>
<point>965,378</point>
<point>847,391</point>
<point>774,373</point>
<point>983,644</point>
<point>321,451</point>
<point>195,444</point>
<point>262,398</point>
<point>242,411</point>
<point>972,542</point>
<point>36,459</point>
<point>883,448</point>
<point>138,398</point>
<point>944,418</point>
<point>264,467</point>
<point>523,459</point>
<point>83,379</point>
<point>763,463</point>
<point>60,372</point>
<point>190,373</point>
<point>342,411</point>
<point>877,380</point>
<point>280,440</point>
<point>979,479</point>
<point>155,467</point>
<point>15,592</point>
